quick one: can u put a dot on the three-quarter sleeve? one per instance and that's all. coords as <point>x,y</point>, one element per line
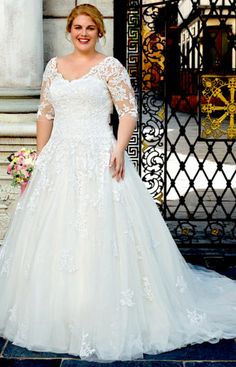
<point>45,108</point>
<point>121,90</point>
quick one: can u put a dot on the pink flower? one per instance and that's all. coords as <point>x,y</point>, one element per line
<point>21,166</point>
<point>9,169</point>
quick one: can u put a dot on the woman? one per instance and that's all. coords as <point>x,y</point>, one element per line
<point>88,266</point>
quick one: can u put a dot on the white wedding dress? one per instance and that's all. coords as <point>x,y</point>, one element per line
<point>88,266</point>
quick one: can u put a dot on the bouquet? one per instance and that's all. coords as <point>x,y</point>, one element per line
<point>21,167</point>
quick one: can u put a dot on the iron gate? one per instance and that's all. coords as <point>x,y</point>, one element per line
<point>181,56</point>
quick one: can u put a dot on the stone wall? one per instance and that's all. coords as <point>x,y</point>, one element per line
<point>39,34</point>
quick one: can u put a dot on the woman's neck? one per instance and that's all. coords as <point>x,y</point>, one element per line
<point>85,55</point>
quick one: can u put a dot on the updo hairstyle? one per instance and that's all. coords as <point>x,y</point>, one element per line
<point>92,12</point>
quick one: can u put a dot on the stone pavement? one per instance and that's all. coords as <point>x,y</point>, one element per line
<point>222,354</point>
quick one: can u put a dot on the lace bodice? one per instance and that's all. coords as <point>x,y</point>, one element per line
<point>87,100</point>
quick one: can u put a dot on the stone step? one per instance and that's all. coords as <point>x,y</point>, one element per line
<point>3,169</point>
<point>222,354</point>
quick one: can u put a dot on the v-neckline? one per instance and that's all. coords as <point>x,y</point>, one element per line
<point>82,76</point>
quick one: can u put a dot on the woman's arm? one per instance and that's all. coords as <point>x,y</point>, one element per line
<point>43,132</point>
<point>125,130</point>
<point>123,98</point>
<point>45,114</point>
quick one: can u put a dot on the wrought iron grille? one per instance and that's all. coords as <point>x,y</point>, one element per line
<point>181,56</point>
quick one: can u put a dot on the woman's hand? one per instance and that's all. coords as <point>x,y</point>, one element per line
<point>125,130</point>
<point>118,164</point>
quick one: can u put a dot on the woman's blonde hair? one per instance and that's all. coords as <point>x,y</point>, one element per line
<point>92,12</point>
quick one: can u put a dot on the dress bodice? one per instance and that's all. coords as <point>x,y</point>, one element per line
<point>83,105</point>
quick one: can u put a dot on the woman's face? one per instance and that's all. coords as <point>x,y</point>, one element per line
<point>84,33</point>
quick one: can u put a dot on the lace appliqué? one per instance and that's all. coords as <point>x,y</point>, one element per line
<point>67,262</point>
<point>129,234</point>
<point>139,249</point>
<point>127,298</point>
<point>196,318</point>
<point>116,195</point>
<point>12,312</point>
<point>5,260</point>
<point>135,343</point>
<point>44,180</point>
<point>119,86</point>
<point>181,285</point>
<point>45,108</point>
<point>22,331</point>
<point>21,327</point>
<point>147,289</point>
<point>86,350</point>
<point>109,70</point>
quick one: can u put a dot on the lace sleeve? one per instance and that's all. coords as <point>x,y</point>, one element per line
<point>121,90</point>
<point>45,108</point>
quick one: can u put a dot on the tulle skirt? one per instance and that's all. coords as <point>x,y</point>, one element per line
<point>88,267</point>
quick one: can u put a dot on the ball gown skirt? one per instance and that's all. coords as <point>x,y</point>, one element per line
<point>88,266</point>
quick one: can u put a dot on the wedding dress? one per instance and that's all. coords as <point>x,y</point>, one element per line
<point>88,266</point>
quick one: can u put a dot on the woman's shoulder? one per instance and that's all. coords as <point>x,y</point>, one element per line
<point>51,63</point>
<point>50,68</point>
<point>113,66</point>
<point>113,60</point>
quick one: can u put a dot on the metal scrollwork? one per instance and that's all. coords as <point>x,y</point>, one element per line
<point>152,132</point>
<point>184,145</point>
<point>152,163</point>
<point>133,57</point>
<point>150,14</point>
<point>152,129</point>
<point>151,105</point>
<point>153,47</point>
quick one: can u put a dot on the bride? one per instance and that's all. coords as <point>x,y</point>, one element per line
<point>88,266</point>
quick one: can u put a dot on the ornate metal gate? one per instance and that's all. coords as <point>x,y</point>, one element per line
<point>181,56</point>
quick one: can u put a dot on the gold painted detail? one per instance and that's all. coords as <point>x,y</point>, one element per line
<point>159,198</point>
<point>153,59</point>
<point>185,231</point>
<point>153,68</point>
<point>218,106</point>
<point>161,113</point>
<point>215,231</point>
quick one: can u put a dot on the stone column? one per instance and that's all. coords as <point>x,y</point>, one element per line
<point>21,43</point>
<point>21,67</point>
